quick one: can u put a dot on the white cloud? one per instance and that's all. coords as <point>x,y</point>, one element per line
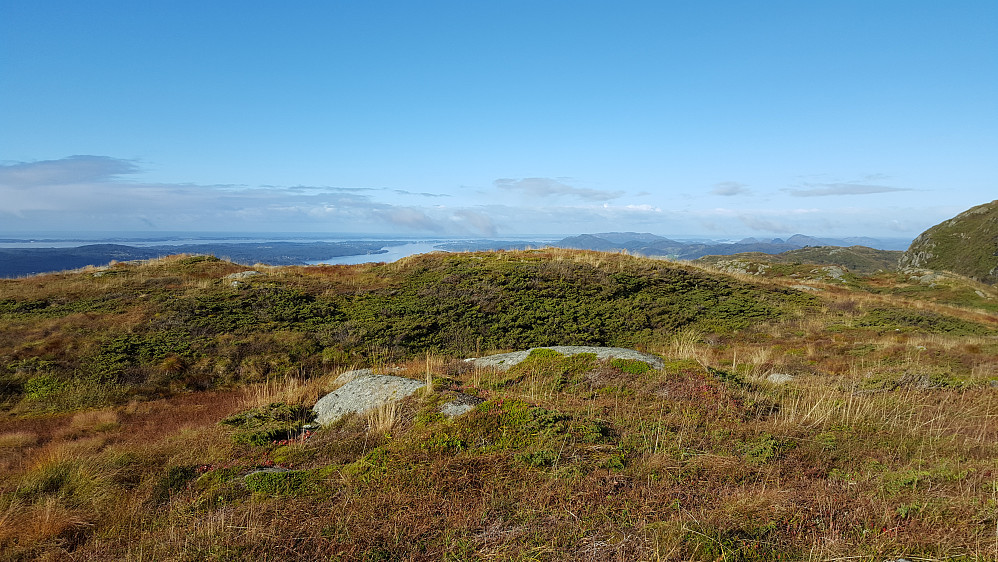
<point>548,187</point>
<point>86,192</point>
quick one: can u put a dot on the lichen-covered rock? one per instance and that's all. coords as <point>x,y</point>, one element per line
<point>504,361</point>
<point>463,403</point>
<point>780,378</point>
<point>361,394</point>
<point>363,390</point>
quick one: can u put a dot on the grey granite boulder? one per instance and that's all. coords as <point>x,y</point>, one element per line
<point>504,361</point>
<point>363,390</point>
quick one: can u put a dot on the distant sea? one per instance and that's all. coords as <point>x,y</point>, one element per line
<point>395,247</point>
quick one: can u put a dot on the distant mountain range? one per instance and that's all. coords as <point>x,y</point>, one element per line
<point>646,244</point>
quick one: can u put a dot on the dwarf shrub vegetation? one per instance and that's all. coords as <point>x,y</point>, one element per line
<point>178,325</point>
<point>921,320</point>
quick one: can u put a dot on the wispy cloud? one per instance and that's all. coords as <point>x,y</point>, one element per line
<point>841,188</point>
<point>549,187</point>
<point>730,188</point>
<point>406,217</point>
<point>419,193</point>
<point>81,192</point>
<point>71,170</point>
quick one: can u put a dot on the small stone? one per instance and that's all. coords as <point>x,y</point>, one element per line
<point>462,404</point>
<point>243,274</point>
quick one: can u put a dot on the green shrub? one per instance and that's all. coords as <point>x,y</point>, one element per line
<point>285,483</point>
<point>630,366</point>
<point>920,320</point>
<point>42,386</point>
<point>275,422</point>
<point>544,457</point>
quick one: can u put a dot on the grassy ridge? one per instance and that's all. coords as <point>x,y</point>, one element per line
<point>177,324</point>
<point>858,259</point>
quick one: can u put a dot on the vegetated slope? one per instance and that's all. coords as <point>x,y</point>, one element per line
<point>178,323</point>
<point>966,244</point>
<point>858,259</point>
<point>887,428</point>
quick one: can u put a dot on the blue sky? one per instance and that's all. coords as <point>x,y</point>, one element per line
<point>711,118</point>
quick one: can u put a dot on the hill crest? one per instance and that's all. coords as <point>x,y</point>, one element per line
<point>966,244</point>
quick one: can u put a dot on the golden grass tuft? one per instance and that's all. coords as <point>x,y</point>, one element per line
<point>18,439</point>
<point>301,389</point>
<point>96,421</point>
<point>384,417</point>
<point>688,344</point>
<point>45,520</point>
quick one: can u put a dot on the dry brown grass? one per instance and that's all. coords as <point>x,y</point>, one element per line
<point>17,439</point>
<point>301,390</point>
<point>687,344</point>
<point>46,520</point>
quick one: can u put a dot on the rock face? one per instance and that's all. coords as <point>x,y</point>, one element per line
<point>966,244</point>
<point>504,361</point>
<point>363,390</point>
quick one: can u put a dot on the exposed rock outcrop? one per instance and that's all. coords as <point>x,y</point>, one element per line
<point>504,361</point>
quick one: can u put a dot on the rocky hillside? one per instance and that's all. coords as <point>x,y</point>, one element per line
<point>858,259</point>
<point>965,244</point>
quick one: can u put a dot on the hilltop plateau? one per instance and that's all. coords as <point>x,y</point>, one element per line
<point>779,408</point>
